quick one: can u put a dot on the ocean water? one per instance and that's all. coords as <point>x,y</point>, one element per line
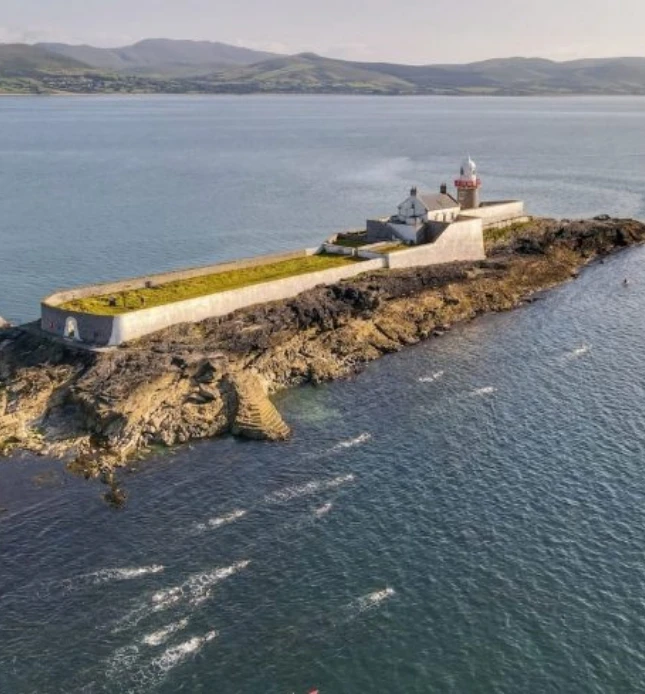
<point>95,189</point>
<point>466,516</point>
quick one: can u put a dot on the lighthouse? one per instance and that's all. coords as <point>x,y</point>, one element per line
<point>468,185</point>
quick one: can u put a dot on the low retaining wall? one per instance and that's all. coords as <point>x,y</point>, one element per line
<point>124,327</point>
<point>379,230</point>
<point>509,222</point>
<point>364,252</point>
<point>494,213</point>
<point>460,241</point>
<point>65,295</point>
<point>135,324</point>
<point>98,329</point>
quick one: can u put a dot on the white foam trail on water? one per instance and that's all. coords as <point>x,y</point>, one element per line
<point>214,523</point>
<point>174,655</point>
<point>488,390</point>
<point>122,660</point>
<point>375,598</point>
<point>351,443</point>
<point>578,352</point>
<point>431,379</point>
<point>133,674</point>
<point>197,588</point>
<point>194,591</point>
<point>323,510</point>
<point>162,635</point>
<point>110,575</point>
<point>313,487</point>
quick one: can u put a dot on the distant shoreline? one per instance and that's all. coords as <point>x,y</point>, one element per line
<point>323,94</point>
<point>166,66</point>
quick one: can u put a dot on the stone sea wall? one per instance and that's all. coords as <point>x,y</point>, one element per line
<point>107,330</point>
<point>134,324</point>
<point>493,214</point>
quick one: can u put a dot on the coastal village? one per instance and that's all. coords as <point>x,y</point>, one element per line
<point>427,229</point>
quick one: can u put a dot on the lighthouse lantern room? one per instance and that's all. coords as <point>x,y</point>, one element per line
<point>468,185</point>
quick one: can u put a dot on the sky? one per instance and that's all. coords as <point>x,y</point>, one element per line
<point>406,31</point>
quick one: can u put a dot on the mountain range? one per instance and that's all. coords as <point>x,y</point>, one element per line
<point>170,66</point>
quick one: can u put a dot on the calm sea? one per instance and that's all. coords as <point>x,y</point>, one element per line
<point>467,516</point>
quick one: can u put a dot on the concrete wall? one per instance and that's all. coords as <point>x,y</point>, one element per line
<point>94,329</point>
<point>508,222</point>
<point>338,250</point>
<point>379,230</point>
<point>98,329</point>
<point>364,252</point>
<point>135,324</point>
<point>495,212</point>
<point>65,295</point>
<point>460,241</point>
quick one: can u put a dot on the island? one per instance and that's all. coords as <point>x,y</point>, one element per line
<point>83,387</point>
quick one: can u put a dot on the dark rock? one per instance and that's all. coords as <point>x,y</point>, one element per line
<point>115,496</point>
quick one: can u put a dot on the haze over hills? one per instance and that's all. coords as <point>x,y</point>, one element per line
<point>160,56</point>
<point>169,66</point>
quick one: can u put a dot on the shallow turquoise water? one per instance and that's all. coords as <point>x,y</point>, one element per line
<point>466,516</point>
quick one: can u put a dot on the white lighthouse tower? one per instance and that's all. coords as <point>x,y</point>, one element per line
<point>468,185</point>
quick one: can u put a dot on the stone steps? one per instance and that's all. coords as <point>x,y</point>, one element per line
<point>257,417</point>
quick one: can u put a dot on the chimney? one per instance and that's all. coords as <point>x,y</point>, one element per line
<point>413,192</point>
<point>444,189</point>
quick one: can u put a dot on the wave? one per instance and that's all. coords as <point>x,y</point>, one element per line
<point>194,591</point>
<point>352,443</point>
<point>488,390</point>
<point>162,635</point>
<point>323,510</point>
<point>122,660</point>
<point>197,588</point>
<point>375,598</point>
<point>174,655</point>
<point>308,489</point>
<point>578,352</point>
<point>110,575</point>
<point>431,379</point>
<point>132,673</point>
<point>214,523</point>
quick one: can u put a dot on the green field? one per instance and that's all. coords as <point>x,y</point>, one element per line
<point>135,299</point>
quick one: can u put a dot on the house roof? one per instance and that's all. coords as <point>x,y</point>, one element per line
<point>437,201</point>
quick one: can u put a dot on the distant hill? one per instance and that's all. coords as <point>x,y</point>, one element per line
<point>23,68</point>
<point>161,56</point>
<point>308,73</point>
<point>525,76</point>
<point>177,67</point>
<point>19,60</point>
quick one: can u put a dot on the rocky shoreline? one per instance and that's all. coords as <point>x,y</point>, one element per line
<point>99,410</point>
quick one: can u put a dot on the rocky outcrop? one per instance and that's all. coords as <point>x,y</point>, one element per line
<point>100,409</point>
<point>4,324</point>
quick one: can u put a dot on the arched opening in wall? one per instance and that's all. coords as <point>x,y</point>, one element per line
<point>71,329</point>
